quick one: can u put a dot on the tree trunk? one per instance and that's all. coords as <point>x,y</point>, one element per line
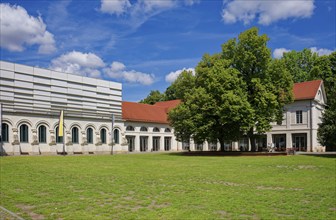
<point>251,136</point>
<point>221,141</point>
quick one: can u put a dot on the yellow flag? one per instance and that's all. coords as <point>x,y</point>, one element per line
<point>60,126</point>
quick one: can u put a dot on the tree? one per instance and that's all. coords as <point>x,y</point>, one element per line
<point>267,92</point>
<point>181,86</point>
<point>239,91</point>
<point>300,64</point>
<point>153,97</point>
<point>327,129</point>
<point>216,108</point>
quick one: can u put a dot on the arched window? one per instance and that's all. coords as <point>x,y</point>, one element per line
<point>167,130</point>
<point>58,138</point>
<point>143,128</point>
<point>156,129</point>
<point>129,128</point>
<point>89,135</point>
<point>74,135</point>
<point>116,136</point>
<point>103,135</point>
<point>24,133</point>
<point>4,132</point>
<point>42,134</point>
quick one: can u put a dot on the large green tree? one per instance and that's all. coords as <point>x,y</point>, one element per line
<point>239,91</point>
<point>216,108</point>
<point>268,83</point>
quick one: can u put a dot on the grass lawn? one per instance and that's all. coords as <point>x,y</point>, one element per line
<point>168,186</point>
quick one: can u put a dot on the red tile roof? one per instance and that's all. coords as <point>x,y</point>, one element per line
<point>306,90</point>
<point>157,113</point>
<point>132,111</point>
<point>168,105</point>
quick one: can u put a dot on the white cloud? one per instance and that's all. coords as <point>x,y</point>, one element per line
<point>278,52</point>
<point>19,29</point>
<point>321,51</point>
<point>138,12</point>
<point>267,12</point>
<point>85,64</point>
<point>172,76</point>
<point>117,7</point>
<point>117,70</point>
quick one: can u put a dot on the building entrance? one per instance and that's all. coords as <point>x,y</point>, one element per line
<point>300,142</point>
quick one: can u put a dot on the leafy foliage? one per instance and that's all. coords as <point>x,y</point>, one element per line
<point>153,97</point>
<point>236,92</point>
<point>181,86</point>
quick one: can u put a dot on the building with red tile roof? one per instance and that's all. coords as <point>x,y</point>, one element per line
<point>306,90</point>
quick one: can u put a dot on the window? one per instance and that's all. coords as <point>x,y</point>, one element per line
<point>129,128</point>
<point>42,134</point>
<point>103,135</point>
<point>74,135</point>
<point>156,129</point>
<point>143,143</point>
<point>4,132</point>
<point>213,146</point>
<point>116,136</point>
<point>143,129</point>
<point>185,144</point>
<point>24,133</point>
<point>167,130</point>
<point>199,146</point>
<point>298,117</point>
<point>89,136</point>
<point>58,138</point>
<point>167,143</point>
<point>130,141</point>
<point>156,144</point>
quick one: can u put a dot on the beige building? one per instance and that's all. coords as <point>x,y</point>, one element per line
<point>32,99</point>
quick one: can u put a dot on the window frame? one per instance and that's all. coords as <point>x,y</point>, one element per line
<point>103,138</point>
<point>42,138</point>
<point>299,117</point>
<point>116,136</point>
<point>24,135</point>
<point>5,132</point>
<point>89,135</point>
<point>75,137</point>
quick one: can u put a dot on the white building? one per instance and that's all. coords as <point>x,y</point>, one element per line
<point>32,99</point>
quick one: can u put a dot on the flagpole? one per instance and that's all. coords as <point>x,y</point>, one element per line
<point>63,133</point>
<point>112,134</point>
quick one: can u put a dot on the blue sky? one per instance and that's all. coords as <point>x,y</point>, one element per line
<point>145,44</point>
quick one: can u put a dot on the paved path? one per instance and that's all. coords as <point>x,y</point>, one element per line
<point>5,214</point>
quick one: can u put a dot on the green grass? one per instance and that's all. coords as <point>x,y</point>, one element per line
<point>166,186</point>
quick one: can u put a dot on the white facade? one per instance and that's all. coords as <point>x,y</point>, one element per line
<point>32,99</point>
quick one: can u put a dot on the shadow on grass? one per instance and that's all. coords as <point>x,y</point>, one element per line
<point>225,153</point>
<point>325,155</point>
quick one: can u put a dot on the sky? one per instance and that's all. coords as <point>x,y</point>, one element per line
<point>146,44</point>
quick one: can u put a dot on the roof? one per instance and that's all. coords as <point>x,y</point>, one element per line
<point>306,90</point>
<point>168,105</point>
<point>132,111</point>
<point>157,113</point>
